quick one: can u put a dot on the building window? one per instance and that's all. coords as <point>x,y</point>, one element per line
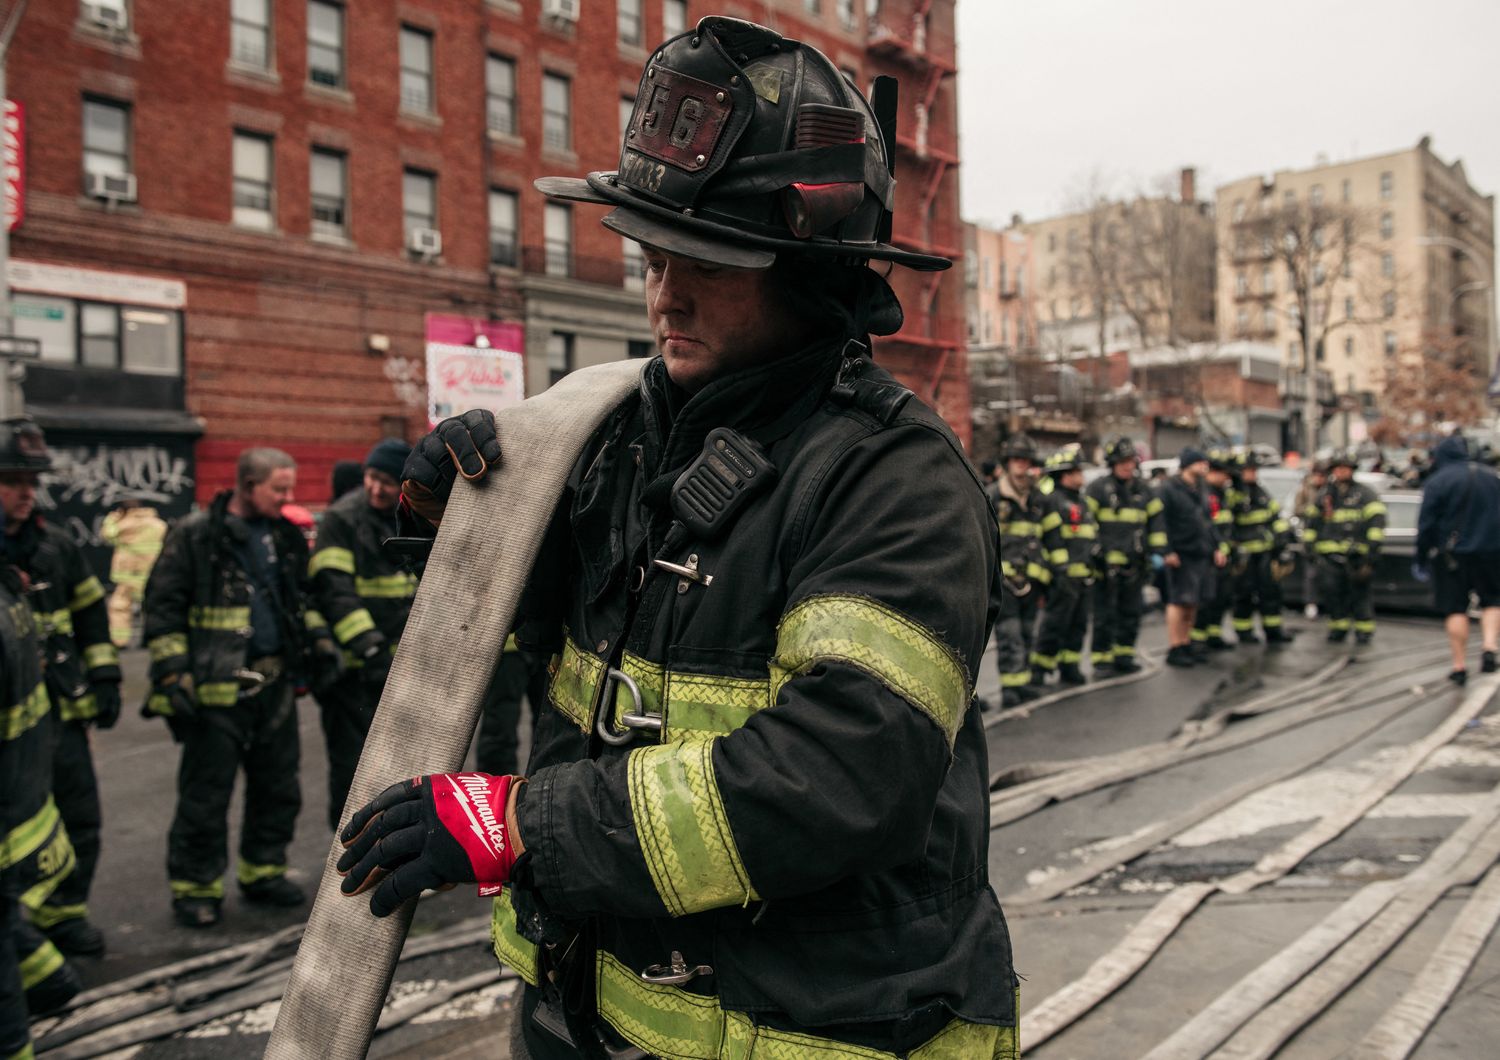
<point>1239,210</point>
<point>500,95</point>
<point>1315,195</point>
<point>1387,184</point>
<point>1387,225</point>
<point>1242,322</point>
<point>1289,198</point>
<point>250,33</point>
<point>814,7</point>
<point>108,14</point>
<point>559,355</point>
<point>252,181</point>
<point>1348,191</point>
<point>846,13</point>
<point>627,110</point>
<point>1268,320</point>
<point>628,20</point>
<point>1241,285</point>
<point>673,17</point>
<point>1052,242</point>
<point>418,200</point>
<point>1348,309</point>
<point>1390,344</point>
<point>1348,345</point>
<point>416,70</point>
<point>325,43</point>
<point>1387,265</point>
<point>557,225</point>
<point>106,138</point>
<point>634,260</point>
<point>986,273</point>
<point>99,336</point>
<point>1319,274</point>
<point>557,112</point>
<point>330,215</point>
<point>1388,304</point>
<point>1267,280</point>
<point>502,228</point>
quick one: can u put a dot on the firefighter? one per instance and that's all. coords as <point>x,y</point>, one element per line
<point>1346,529</point>
<point>1070,542</point>
<point>784,839</point>
<point>1130,531</point>
<point>226,625</point>
<point>1305,506</point>
<point>35,854</point>
<point>1262,542</point>
<point>364,597</point>
<point>135,532</point>
<point>1023,567</point>
<point>1208,626</point>
<point>82,672</point>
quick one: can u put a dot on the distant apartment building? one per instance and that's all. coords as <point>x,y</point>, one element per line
<point>998,282</point>
<point>1399,259</point>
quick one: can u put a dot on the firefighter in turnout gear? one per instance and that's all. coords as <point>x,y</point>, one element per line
<point>1262,542</point>
<point>1130,529</point>
<point>756,814</point>
<point>364,597</point>
<point>82,671</point>
<point>1023,566</point>
<point>1208,627</point>
<point>1344,532</point>
<point>135,532</point>
<point>226,627</point>
<point>1070,543</point>
<point>35,854</point>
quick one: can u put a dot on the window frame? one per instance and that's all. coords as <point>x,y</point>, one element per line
<point>496,61</point>
<point>552,266</point>
<point>498,195</point>
<point>552,117</point>
<point>668,30</point>
<point>630,22</point>
<point>427,78</point>
<point>126,154</point>
<point>340,49</point>
<point>313,195</point>
<point>236,179</point>
<point>431,221</point>
<point>569,346</point>
<point>268,43</point>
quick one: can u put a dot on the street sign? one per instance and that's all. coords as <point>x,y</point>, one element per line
<point>18,346</point>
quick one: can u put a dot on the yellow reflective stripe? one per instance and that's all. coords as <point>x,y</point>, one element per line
<point>387,587</point>
<point>47,916</point>
<point>194,889</point>
<point>53,863</point>
<point>37,965</point>
<point>1057,557</point>
<point>864,633</point>
<point>167,646</point>
<point>81,709</point>
<point>352,625</point>
<point>1154,506</point>
<point>1116,558</point>
<point>1325,546</point>
<point>1158,539</point>
<point>707,704</point>
<point>1121,515</point>
<point>339,559</point>
<point>575,680</point>
<point>1255,546</point>
<point>1082,532</point>
<point>159,705</point>
<point>1375,533</point>
<point>1038,573</point>
<point>1015,679</point>
<point>227,618</point>
<point>247,872</point>
<point>1254,517</point>
<point>1021,528</point>
<point>1046,662</point>
<point>86,593</point>
<point>1374,508</point>
<point>313,621</point>
<point>26,714</point>
<point>26,1053</point>
<point>510,644</point>
<point>97,655</point>
<point>1007,568</point>
<point>510,948</point>
<point>1078,570</point>
<point>1348,515</point>
<point>50,622</point>
<point>1051,521</point>
<point>1225,516</point>
<point>670,1022</point>
<point>217,693</point>
<point>684,830</point>
<point>27,837</point>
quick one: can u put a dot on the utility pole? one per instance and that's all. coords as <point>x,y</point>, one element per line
<point>12,400</point>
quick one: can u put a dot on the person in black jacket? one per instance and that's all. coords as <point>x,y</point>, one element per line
<point>757,809</point>
<point>1192,552</point>
<point>82,673</point>
<point>227,627</point>
<point>1458,537</point>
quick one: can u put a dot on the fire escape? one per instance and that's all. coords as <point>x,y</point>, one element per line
<point>924,162</point>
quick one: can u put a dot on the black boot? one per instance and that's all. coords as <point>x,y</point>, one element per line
<point>1247,639</point>
<point>1126,664</point>
<point>1198,650</point>
<point>76,937</point>
<point>1336,636</point>
<point>1181,655</point>
<point>1363,637</point>
<point>1218,644</point>
<point>1070,674</point>
<point>1277,635</point>
<point>196,912</point>
<point>53,992</point>
<point>1487,662</point>
<point>1459,677</point>
<point>276,890</point>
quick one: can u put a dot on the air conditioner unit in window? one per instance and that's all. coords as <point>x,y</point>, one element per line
<point>424,242</point>
<point>112,187</point>
<point>104,16</point>
<point>563,10</point>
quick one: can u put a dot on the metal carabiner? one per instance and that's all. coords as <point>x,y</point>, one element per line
<point>634,721</point>
<point>676,973</point>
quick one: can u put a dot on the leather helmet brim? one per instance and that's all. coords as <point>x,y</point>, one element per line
<point>684,242</point>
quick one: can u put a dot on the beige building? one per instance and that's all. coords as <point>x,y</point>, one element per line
<point>999,282</point>
<point>1385,256</point>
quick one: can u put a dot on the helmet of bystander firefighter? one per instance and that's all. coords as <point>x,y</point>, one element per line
<point>1220,460</point>
<point>23,447</point>
<point>1019,447</point>
<point>1119,450</point>
<point>1343,458</point>
<point>746,147</point>
<point>1068,458</point>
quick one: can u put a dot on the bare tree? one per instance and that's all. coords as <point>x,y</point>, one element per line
<point>1437,382</point>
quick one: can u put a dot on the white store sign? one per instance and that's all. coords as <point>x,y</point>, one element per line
<point>93,285</point>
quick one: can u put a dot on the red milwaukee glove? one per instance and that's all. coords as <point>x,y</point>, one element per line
<point>429,832</point>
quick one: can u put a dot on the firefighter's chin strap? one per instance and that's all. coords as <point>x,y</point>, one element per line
<point>464,608</point>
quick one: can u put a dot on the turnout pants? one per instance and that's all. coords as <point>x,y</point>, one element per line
<point>1064,621</point>
<point>75,789</point>
<point>259,735</point>
<point>347,708</point>
<point>1117,616</point>
<point>1256,592</point>
<point>1346,601</point>
<point>15,1039</point>
<point>1210,619</point>
<point>1013,637</point>
<point>497,747</point>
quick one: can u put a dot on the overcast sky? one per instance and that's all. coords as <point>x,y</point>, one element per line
<point>1050,90</point>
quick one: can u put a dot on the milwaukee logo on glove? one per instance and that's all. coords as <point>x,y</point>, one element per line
<point>471,806</point>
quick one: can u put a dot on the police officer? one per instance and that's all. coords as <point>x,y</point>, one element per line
<point>1070,542</point>
<point>1346,529</point>
<point>784,839</point>
<point>365,597</point>
<point>82,671</point>
<point>1262,540</point>
<point>1130,529</point>
<point>226,627</point>
<point>35,854</point>
<point>1023,567</point>
<point>1208,627</point>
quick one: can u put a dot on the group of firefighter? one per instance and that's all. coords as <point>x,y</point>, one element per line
<point>1070,552</point>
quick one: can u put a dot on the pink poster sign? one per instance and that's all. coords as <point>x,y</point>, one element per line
<point>473,363</point>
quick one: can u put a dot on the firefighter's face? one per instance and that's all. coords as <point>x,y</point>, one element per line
<point>265,498</point>
<point>1071,480</point>
<point>1343,473</point>
<point>1126,468</point>
<point>1217,477</point>
<point>381,490</point>
<point>1250,474</point>
<point>18,495</point>
<point>711,320</point>
<point>1019,469</point>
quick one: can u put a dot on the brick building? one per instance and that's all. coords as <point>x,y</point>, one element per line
<point>244,220</point>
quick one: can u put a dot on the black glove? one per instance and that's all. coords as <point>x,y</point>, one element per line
<point>106,703</point>
<point>374,654</point>
<point>171,697</point>
<point>460,445</point>
<point>325,660</point>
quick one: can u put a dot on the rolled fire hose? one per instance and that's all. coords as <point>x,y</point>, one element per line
<point>463,611</point>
